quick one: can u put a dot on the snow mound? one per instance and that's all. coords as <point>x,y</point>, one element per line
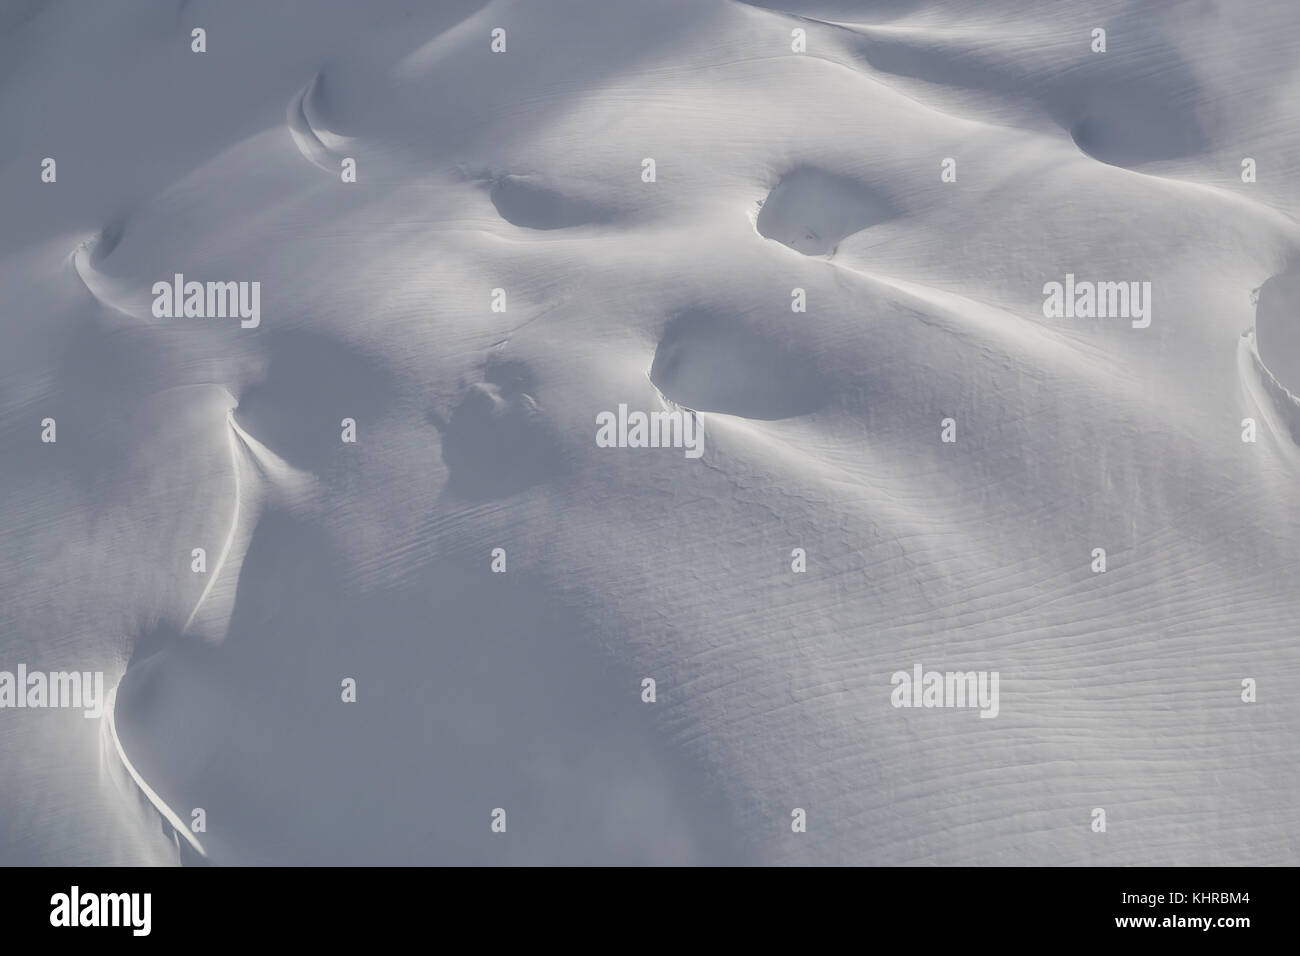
<point>496,442</point>
<point>530,205</point>
<point>921,469</point>
<point>811,210</point>
<point>711,361</point>
<point>1277,328</point>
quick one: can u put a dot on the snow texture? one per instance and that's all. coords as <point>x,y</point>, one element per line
<point>775,171</point>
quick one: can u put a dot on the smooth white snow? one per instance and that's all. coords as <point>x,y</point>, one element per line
<point>774,171</point>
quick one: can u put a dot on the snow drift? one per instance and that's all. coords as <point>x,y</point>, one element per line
<point>502,271</point>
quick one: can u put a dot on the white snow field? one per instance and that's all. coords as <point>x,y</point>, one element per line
<point>1164,690</point>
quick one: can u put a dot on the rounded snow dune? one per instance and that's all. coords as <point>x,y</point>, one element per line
<point>1277,329</point>
<point>496,443</point>
<point>1133,126</point>
<point>713,362</point>
<point>944,455</point>
<point>312,382</point>
<point>1132,105</point>
<point>472,692</point>
<point>305,136</point>
<point>811,210</point>
<point>531,205</point>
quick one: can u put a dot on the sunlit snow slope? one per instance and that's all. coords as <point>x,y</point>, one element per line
<point>774,170</point>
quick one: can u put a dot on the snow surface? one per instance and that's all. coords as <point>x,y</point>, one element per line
<point>522,170</point>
